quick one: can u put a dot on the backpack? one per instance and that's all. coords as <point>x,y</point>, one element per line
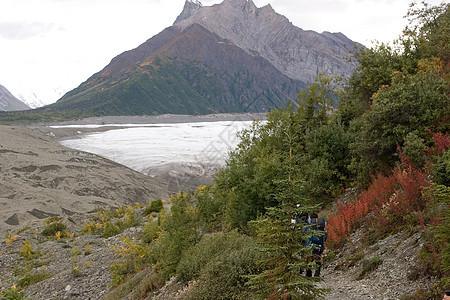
<point>318,224</point>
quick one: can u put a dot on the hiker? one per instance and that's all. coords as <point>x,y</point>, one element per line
<point>301,219</point>
<point>446,295</point>
<point>317,241</point>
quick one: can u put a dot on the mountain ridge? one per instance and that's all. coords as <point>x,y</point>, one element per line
<point>299,54</point>
<point>210,68</point>
<point>8,102</point>
<point>231,57</point>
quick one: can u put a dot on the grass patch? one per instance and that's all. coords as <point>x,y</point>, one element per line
<point>141,285</point>
<point>368,266</point>
<point>33,278</point>
<point>23,229</point>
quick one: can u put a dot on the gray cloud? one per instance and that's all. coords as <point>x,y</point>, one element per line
<point>24,30</point>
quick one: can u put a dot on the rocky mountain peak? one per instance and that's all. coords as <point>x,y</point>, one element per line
<point>240,3</point>
<point>222,57</point>
<point>190,6</point>
<point>298,54</point>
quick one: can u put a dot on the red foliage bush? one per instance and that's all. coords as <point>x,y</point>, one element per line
<point>398,194</point>
<point>441,142</point>
<point>351,214</point>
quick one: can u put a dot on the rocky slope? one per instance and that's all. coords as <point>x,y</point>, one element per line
<point>387,269</point>
<point>9,103</point>
<point>40,178</point>
<point>79,266</point>
<point>297,53</point>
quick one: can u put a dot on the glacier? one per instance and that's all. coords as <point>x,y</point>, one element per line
<point>181,151</point>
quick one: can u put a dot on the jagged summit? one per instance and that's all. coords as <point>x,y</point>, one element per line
<point>190,6</point>
<point>297,53</point>
<point>239,2</point>
<point>227,57</point>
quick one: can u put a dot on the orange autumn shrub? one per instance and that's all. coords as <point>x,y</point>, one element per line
<point>388,197</point>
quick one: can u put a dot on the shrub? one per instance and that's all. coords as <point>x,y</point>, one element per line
<point>53,226</point>
<point>179,231</point>
<point>150,231</point>
<point>76,251</point>
<point>87,249</point>
<point>76,272</point>
<point>208,249</point>
<point>106,225</point>
<point>12,293</point>
<point>111,229</point>
<point>441,169</point>
<point>132,260</point>
<point>369,266</point>
<point>137,287</point>
<point>27,249</point>
<point>220,263</point>
<point>155,206</point>
<point>390,198</point>
<point>349,215</point>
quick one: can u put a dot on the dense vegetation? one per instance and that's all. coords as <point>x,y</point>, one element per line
<point>388,139</point>
<point>164,86</point>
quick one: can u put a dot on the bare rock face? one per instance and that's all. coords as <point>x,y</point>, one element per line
<point>299,54</point>
<point>189,9</point>
<point>9,103</point>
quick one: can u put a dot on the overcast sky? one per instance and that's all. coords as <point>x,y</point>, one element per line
<point>49,47</point>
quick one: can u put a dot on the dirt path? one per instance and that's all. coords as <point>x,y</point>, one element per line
<point>389,269</point>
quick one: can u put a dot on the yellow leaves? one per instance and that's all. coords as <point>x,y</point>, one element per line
<point>58,235</point>
<point>427,65</point>
<point>171,199</point>
<point>131,248</point>
<point>27,249</point>
<point>201,188</point>
<point>68,234</point>
<point>10,238</point>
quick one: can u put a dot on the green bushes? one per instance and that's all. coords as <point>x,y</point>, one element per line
<point>53,226</point>
<point>33,278</point>
<point>179,230</point>
<point>12,293</point>
<point>219,264</point>
<point>110,223</point>
<point>155,206</point>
